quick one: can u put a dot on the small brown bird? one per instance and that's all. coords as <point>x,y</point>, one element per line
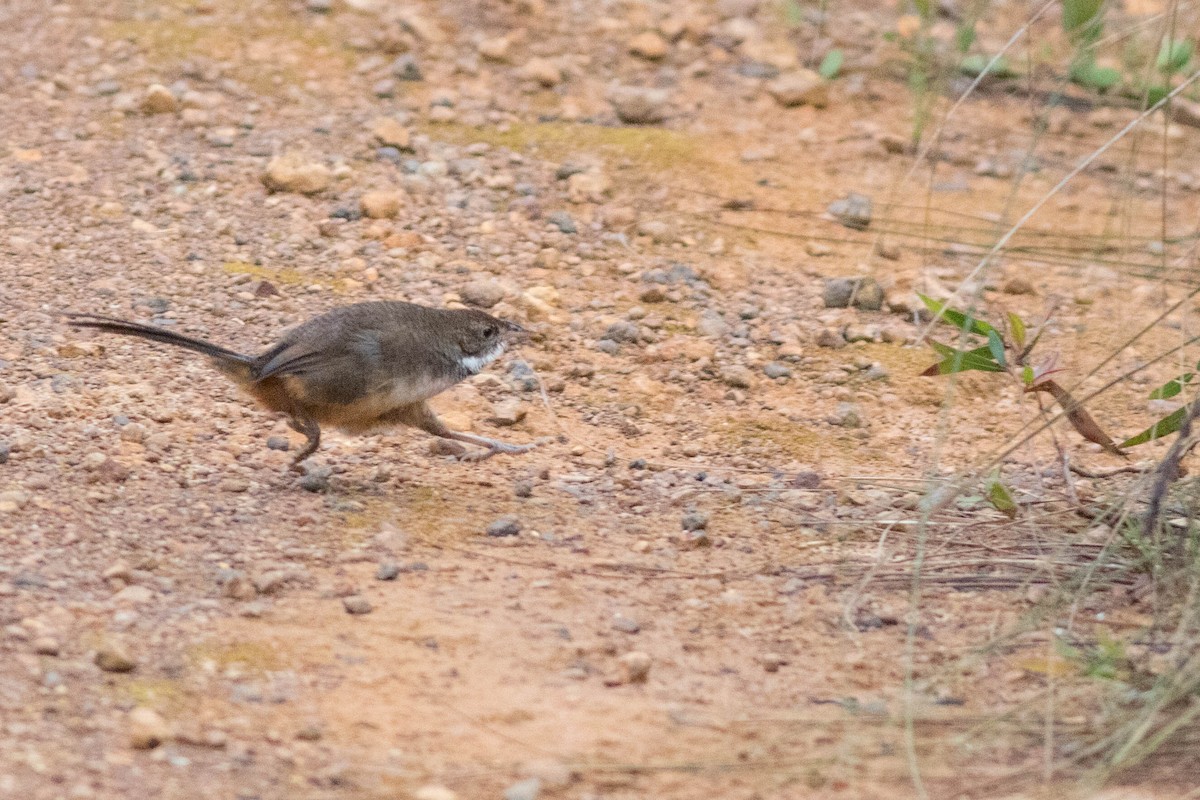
<point>358,368</point>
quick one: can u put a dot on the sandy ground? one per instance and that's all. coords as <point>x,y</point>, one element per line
<point>710,593</point>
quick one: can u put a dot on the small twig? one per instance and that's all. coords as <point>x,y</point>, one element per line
<point>1168,469</point>
<point>1100,474</point>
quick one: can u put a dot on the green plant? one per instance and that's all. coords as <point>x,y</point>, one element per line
<point>1083,22</point>
<point>987,348</point>
<point>1174,58</point>
<point>831,65</point>
<point>1171,422</point>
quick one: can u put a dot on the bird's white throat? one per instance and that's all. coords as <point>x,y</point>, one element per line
<point>473,364</point>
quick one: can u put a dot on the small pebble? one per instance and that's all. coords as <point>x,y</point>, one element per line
<point>853,211</point>
<point>406,68</point>
<point>828,337</point>
<point>434,792</point>
<point>505,526</point>
<point>771,662</point>
<point>278,443</point>
<point>776,369</point>
<point>737,376</point>
<point>147,729</point>
<point>636,666</point>
<point>622,331</point>
<point>1018,286</point>
<point>388,570</point>
<point>112,657</point>
<point>316,478</point>
<point>625,624</point>
<point>847,415</point>
<point>356,604</point>
<point>563,221</point>
<point>482,292</point>
<point>527,789</point>
<point>800,87</point>
<point>636,105</point>
<point>46,646</point>
<point>694,520</point>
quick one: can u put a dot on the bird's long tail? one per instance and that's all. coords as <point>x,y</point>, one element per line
<point>226,359</point>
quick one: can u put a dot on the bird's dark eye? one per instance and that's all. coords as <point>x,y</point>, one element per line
<point>489,331</point>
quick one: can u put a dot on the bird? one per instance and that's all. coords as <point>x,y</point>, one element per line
<point>358,368</point>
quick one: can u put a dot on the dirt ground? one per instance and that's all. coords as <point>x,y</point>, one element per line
<point>711,590</point>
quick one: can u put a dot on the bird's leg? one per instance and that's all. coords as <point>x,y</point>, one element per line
<point>420,415</point>
<point>312,432</point>
<point>493,446</point>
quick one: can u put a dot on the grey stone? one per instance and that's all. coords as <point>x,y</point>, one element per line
<point>777,369</point>
<point>838,292</point>
<point>854,211</point>
<point>864,293</point>
<point>869,296</point>
<point>694,520</point>
<point>622,331</point>
<point>406,68</point>
<point>563,221</point>
<point>847,415</point>
<point>712,325</point>
<point>505,526</point>
<point>316,478</point>
<point>388,570</point>
<point>876,372</point>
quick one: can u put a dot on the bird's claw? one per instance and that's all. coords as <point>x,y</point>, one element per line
<point>475,456</point>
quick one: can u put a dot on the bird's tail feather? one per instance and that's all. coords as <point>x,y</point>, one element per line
<point>226,359</point>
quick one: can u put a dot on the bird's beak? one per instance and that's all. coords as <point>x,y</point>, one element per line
<point>514,333</point>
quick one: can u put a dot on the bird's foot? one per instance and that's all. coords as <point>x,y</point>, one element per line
<point>495,447</point>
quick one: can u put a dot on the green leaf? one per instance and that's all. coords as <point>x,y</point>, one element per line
<point>1172,387</point>
<point>1027,375</point>
<point>1076,13</point>
<point>831,64</point>
<point>996,347</point>
<point>1175,55</point>
<point>1167,425</point>
<point>964,36</point>
<point>1001,499</point>
<point>956,318</point>
<point>1155,95</point>
<point>953,360</point>
<point>975,65</point>
<point>1093,76</point>
<point>1016,327</point>
<point>793,13</point>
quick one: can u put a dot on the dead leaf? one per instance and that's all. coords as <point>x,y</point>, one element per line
<point>1078,416</point>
